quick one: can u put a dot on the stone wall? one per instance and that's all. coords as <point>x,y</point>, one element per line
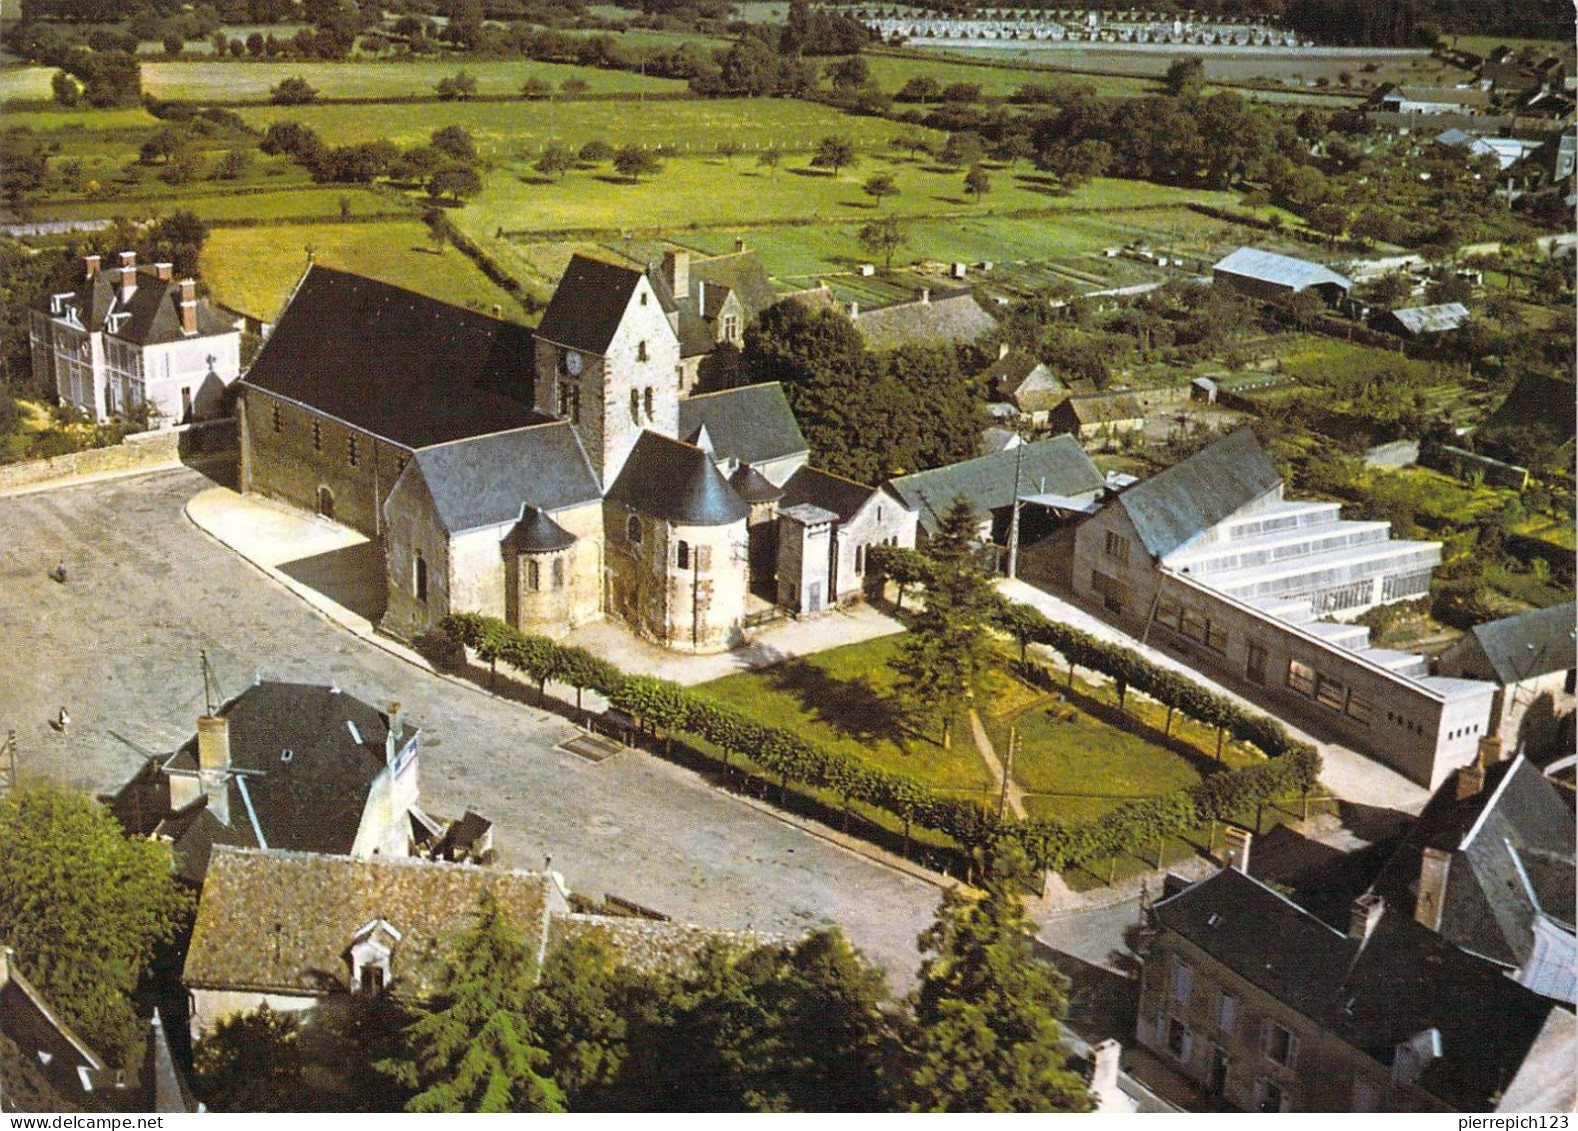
<point>142,451</point>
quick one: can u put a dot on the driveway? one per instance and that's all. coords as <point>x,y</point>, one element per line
<point>119,645</point>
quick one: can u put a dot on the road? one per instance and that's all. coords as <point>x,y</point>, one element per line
<point>118,645</point>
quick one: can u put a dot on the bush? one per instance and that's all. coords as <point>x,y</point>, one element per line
<point>294,91</point>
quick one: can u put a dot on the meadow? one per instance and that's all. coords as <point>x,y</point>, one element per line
<point>222,208</point>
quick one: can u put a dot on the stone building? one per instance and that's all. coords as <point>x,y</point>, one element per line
<point>1263,1006</point>
<point>1210,559</point>
<point>1531,658</point>
<point>855,518</point>
<point>130,336</point>
<point>1097,415</point>
<point>931,319</point>
<point>710,300</point>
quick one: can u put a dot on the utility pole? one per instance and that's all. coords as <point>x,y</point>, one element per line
<point>1013,524</point>
<point>9,773</point>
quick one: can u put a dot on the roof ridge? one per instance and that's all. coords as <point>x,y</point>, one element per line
<point>1491,802</point>
<point>423,295</point>
<point>380,860</point>
<point>489,435</point>
<point>736,389</point>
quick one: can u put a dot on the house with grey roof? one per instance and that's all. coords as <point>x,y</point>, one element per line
<point>128,337</point>
<point>931,319</point>
<point>1416,322</point>
<point>1208,558</point>
<point>1533,661</point>
<point>301,931</point>
<point>826,526</point>
<point>1097,415</point>
<point>1264,1007</point>
<point>1270,277</point>
<point>752,425</point>
<point>1489,865</point>
<point>284,765</point>
<point>1024,381</point>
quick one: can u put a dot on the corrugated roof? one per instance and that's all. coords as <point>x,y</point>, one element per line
<point>1188,498</point>
<point>1059,466</point>
<point>753,424</point>
<point>669,479</point>
<point>1435,319</point>
<point>1530,644</point>
<point>588,304</point>
<point>484,481</point>
<point>284,921</point>
<point>1284,270</point>
<point>403,366</point>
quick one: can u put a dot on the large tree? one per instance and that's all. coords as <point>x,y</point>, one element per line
<point>473,1047</point>
<point>986,1008</point>
<point>84,906</point>
<point>251,1062</point>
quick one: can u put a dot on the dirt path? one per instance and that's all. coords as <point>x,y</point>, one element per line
<point>994,766</point>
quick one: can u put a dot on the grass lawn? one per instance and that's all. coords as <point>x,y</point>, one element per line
<point>252,81</point>
<point>843,698</point>
<point>254,269</point>
<point>508,129</point>
<point>891,72</point>
<point>26,82</point>
<point>285,204</point>
<point>44,121</point>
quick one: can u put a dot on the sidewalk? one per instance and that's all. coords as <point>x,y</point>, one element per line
<point>1347,773</point>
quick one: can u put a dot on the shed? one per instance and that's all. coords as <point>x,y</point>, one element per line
<point>1269,276</point>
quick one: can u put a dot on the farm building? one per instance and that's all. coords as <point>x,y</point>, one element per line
<point>1024,381</point>
<point>1268,276</point>
<point>929,320</point>
<point>1097,415</point>
<point>1423,321</point>
<point>1531,658</point>
<point>1209,557</point>
<point>1430,100</point>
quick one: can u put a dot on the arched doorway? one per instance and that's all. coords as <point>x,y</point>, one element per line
<point>325,502</point>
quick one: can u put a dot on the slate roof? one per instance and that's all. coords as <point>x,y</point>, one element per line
<point>752,424</point>
<point>1530,644</point>
<point>1057,466</point>
<point>403,366</point>
<point>154,308</point>
<point>823,489</point>
<point>283,921</point>
<point>486,480</point>
<point>1268,266</point>
<point>1518,826</point>
<point>588,304</point>
<point>654,947</point>
<point>1374,994</point>
<point>1103,408</point>
<point>673,480</point>
<point>1435,319</point>
<point>712,280</point>
<point>754,487</point>
<point>949,318</point>
<point>536,533</point>
<point>1170,508</point>
<point>1010,369</point>
<point>32,1023</point>
<point>313,802</point>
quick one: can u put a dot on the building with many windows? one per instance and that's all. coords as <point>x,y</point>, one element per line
<point>129,337</point>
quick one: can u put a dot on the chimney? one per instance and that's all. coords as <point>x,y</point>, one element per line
<point>128,274</point>
<point>396,732</point>
<point>1104,1067</point>
<point>188,306</point>
<point>1431,893</point>
<point>129,259</point>
<point>213,743</point>
<point>90,266</point>
<point>1364,915</point>
<point>166,271</point>
<point>1490,751</point>
<point>676,271</point>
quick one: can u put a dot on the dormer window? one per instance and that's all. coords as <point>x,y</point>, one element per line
<point>371,950</point>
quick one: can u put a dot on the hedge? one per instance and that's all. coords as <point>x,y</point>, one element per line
<point>664,708</point>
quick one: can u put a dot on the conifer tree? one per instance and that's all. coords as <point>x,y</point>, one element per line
<point>473,1048</point>
<point>986,1009</point>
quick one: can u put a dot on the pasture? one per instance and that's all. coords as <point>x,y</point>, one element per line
<point>220,208</point>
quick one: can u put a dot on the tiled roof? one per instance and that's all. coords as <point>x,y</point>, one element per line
<point>1188,498</point>
<point>1252,263</point>
<point>753,424</point>
<point>283,921</point>
<point>669,479</point>
<point>403,366</point>
<point>588,304</point>
<point>1530,644</point>
<point>823,489</point>
<point>1058,466</point>
<point>950,318</point>
<point>154,308</point>
<point>486,480</point>
<point>1373,994</point>
<point>651,946</point>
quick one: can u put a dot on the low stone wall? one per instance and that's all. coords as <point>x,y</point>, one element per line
<point>143,451</point>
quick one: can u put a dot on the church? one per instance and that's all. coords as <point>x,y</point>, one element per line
<point>551,477</point>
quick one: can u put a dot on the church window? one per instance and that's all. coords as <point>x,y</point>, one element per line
<point>558,573</point>
<point>533,575</point>
<point>643,298</point>
<point>317,436</point>
<point>641,350</point>
<point>646,399</point>
<point>682,555</point>
<point>635,406</point>
<point>633,530</point>
<point>570,401</point>
<point>351,453</point>
<point>420,580</point>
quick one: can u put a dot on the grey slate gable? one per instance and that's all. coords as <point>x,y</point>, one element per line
<point>672,480</point>
<point>154,309</point>
<point>753,424</point>
<point>1057,466</point>
<point>1530,644</point>
<point>1170,508</point>
<point>588,304</point>
<point>485,481</point>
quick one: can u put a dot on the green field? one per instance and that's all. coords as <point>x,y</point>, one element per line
<point>286,204</point>
<point>88,120</point>
<point>26,82</point>
<point>891,72</point>
<point>505,129</point>
<point>199,81</point>
<point>254,269</point>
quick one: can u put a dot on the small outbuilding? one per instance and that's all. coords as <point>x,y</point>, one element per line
<point>1423,321</point>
